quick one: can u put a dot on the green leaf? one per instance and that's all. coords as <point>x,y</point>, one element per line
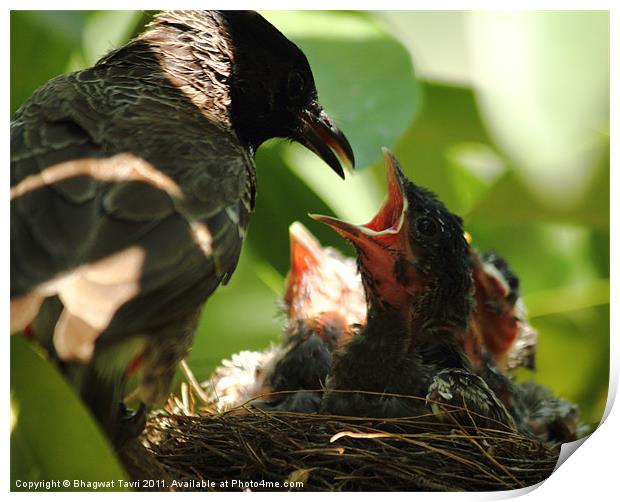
<point>357,199</point>
<point>513,201</point>
<point>437,41</point>
<point>242,315</point>
<point>284,198</point>
<point>573,358</point>
<point>363,75</point>
<point>53,437</point>
<point>566,299</point>
<point>438,147</point>
<point>107,30</point>
<point>41,47</point>
<point>542,80</point>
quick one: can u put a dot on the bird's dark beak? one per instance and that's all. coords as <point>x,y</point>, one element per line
<point>386,228</point>
<point>320,134</point>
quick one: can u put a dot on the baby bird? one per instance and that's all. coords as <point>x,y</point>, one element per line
<point>324,304</point>
<point>499,329</point>
<point>499,336</point>
<point>416,269</point>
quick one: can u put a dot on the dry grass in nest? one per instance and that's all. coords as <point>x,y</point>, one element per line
<point>338,453</point>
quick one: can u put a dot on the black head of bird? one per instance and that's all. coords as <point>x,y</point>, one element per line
<point>271,86</point>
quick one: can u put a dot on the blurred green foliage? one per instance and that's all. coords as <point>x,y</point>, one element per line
<point>53,437</point>
<point>506,117</point>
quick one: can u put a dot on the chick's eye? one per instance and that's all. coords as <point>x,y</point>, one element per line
<point>296,85</point>
<point>426,226</point>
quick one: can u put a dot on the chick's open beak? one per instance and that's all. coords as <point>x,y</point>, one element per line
<point>386,228</point>
<point>306,251</point>
<point>319,133</point>
<point>383,240</point>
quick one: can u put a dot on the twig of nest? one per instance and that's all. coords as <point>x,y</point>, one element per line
<point>249,449</point>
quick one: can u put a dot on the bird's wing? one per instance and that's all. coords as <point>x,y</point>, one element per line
<point>132,220</point>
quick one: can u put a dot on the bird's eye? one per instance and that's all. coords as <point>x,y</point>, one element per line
<point>296,85</point>
<point>426,226</point>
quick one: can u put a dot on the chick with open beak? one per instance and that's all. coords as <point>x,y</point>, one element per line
<point>500,338</point>
<point>324,305</point>
<point>416,270</point>
<point>499,329</point>
<point>321,281</point>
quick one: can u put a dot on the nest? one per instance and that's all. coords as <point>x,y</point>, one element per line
<point>249,449</point>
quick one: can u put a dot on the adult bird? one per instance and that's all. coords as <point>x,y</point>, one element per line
<point>132,186</point>
<point>417,274</point>
<point>324,305</point>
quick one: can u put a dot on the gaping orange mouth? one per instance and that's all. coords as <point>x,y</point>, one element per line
<point>391,216</point>
<point>386,226</point>
<point>383,240</point>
